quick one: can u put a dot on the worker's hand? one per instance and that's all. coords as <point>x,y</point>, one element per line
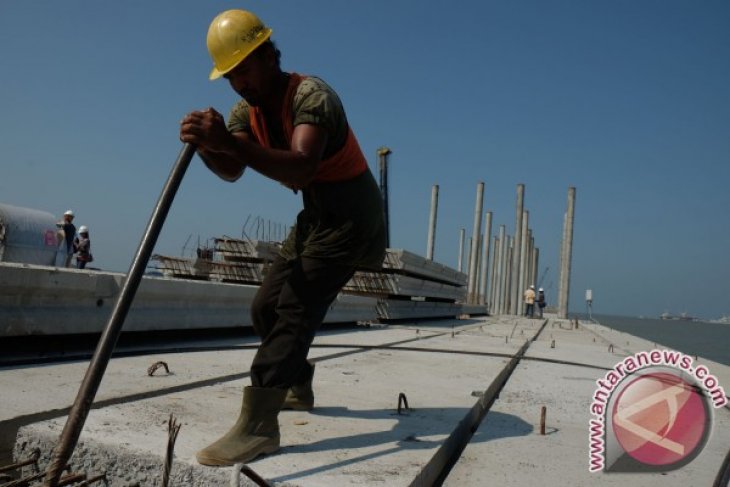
<point>207,130</point>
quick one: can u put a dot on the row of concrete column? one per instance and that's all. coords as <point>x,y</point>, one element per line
<point>500,267</point>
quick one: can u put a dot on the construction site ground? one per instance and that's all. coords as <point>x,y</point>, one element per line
<point>457,402</point>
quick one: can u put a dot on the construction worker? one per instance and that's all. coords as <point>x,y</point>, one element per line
<point>292,129</point>
<point>541,303</point>
<point>530,301</point>
<point>82,247</point>
<point>66,234</point>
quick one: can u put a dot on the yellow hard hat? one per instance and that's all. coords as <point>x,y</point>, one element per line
<point>232,36</point>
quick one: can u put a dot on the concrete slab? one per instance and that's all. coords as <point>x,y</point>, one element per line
<point>508,450</point>
<point>354,436</point>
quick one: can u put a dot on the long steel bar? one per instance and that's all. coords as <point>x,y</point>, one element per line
<point>105,347</point>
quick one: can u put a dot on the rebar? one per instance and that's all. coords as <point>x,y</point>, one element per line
<point>92,480</point>
<point>71,478</point>
<point>34,456</point>
<point>151,370</point>
<point>543,413</point>
<point>173,428</point>
<point>402,401</point>
<point>248,472</point>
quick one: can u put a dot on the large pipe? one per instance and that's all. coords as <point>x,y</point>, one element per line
<point>515,291</point>
<point>485,259</point>
<point>567,256</point>
<point>383,164</point>
<point>432,221</point>
<point>474,254</point>
<point>90,385</point>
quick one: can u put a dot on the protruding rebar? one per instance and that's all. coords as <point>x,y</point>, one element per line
<point>92,480</point>
<point>173,428</point>
<point>33,459</point>
<point>543,414</point>
<point>402,401</point>
<point>71,478</point>
<point>248,472</point>
<point>151,370</point>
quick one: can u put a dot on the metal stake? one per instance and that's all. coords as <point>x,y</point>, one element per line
<point>105,347</point>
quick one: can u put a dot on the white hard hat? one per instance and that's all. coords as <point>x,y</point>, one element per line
<point>83,229</point>
<point>532,287</point>
<point>540,289</point>
<point>69,213</point>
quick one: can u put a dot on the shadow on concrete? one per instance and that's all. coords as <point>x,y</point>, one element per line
<point>412,431</point>
<point>500,425</point>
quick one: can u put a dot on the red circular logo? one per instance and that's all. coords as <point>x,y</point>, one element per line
<point>660,419</point>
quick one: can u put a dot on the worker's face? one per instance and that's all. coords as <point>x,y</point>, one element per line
<point>68,218</point>
<point>252,78</point>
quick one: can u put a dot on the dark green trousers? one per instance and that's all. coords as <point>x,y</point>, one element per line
<point>287,311</point>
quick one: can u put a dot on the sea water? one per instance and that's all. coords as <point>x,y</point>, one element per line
<point>708,340</point>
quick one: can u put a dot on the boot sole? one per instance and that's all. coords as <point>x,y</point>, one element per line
<point>225,462</point>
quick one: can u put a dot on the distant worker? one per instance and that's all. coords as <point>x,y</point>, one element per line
<point>290,128</point>
<point>541,303</point>
<point>67,234</point>
<point>530,301</point>
<point>82,246</point>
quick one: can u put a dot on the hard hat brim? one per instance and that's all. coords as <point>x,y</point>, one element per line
<point>216,73</point>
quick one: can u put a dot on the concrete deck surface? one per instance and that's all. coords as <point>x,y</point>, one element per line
<point>509,450</point>
<point>355,436</point>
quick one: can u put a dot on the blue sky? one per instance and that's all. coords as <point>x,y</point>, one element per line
<point>628,101</point>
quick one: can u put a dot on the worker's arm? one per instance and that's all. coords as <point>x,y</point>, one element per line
<point>228,154</point>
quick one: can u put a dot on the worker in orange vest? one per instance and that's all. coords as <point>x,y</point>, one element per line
<point>293,129</point>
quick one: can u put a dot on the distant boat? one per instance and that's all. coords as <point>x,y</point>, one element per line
<point>680,317</point>
<point>724,319</point>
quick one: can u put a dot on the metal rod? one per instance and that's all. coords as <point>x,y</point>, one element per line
<point>105,347</point>
<point>543,413</point>
<point>34,456</point>
<point>248,472</point>
<point>71,478</point>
